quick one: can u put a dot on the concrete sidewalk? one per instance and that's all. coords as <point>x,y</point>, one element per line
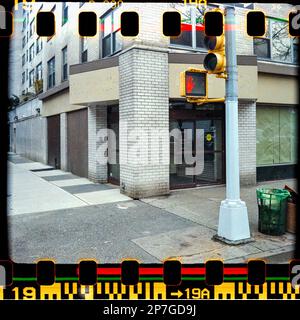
<point>35,187</point>
<point>55,214</point>
<point>201,206</point>
<point>28,193</point>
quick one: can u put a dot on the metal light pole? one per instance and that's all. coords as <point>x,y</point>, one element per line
<point>233,217</point>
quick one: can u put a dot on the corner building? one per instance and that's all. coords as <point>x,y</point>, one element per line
<point>109,81</point>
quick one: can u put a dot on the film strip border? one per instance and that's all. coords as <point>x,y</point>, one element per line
<point>129,23</point>
<point>131,280</point>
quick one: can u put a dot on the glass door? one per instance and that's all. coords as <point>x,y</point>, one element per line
<point>213,152</point>
<point>212,123</point>
<point>178,176</point>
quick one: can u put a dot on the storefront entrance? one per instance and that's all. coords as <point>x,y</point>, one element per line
<point>210,118</point>
<point>53,134</point>
<point>77,133</point>
<point>113,124</point>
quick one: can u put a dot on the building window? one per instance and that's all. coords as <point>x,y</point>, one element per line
<point>51,73</point>
<point>52,10</point>
<point>262,47</point>
<point>111,34</point>
<point>23,77</point>
<point>24,24</point>
<point>31,52</point>
<point>276,135</point>
<point>27,55</point>
<point>24,42</point>
<point>39,45</point>
<point>192,34</point>
<point>276,44</point>
<point>39,72</point>
<point>31,78</point>
<point>26,74</point>
<point>31,29</point>
<point>295,50</point>
<point>39,78</point>
<point>23,59</point>
<point>64,13</point>
<point>64,53</point>
<point>83,49</point>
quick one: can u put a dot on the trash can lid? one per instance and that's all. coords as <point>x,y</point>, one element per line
<point>280,194</point>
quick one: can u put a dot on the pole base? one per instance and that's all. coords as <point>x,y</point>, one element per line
<point>232,242</point>
<point>233,222</point>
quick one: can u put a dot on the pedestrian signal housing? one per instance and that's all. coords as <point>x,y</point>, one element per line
<point>193,83</point>
<point>215,60</point>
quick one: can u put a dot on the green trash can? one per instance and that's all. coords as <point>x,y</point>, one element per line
<point>272,207</point>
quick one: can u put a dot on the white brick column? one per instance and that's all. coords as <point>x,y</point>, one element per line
<point>63,142</point>
<point>244,43</point>
<point>144,106</point>
<point>247,142</point>
<point>97,119</point>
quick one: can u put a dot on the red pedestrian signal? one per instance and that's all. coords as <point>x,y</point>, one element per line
<point>193,83</point>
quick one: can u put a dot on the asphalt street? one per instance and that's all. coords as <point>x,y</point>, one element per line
<point>55,214</point>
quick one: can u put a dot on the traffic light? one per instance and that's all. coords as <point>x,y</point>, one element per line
<point>193,83</point>
<point>215,60</point>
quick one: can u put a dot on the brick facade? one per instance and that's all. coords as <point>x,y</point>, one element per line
<point>97,119</point>
<point>247,142</point>
<point>144,105</point>
<point>143,96</point>
<point>245,43</point>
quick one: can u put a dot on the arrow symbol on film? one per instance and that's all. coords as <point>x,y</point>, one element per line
<point>178,294</point>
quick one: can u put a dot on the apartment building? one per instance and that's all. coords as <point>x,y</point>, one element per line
<point>132,84</point>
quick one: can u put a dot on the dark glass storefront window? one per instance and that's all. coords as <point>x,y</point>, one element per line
<point>209,118</point>
<point>213,151</point>
<point>178,175</point>
<point>113,124</point>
